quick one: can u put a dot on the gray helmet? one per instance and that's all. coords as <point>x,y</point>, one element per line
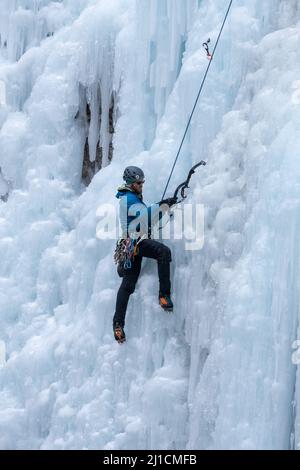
<point>133,174</point>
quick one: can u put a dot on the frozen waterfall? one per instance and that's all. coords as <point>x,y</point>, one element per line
<point>112,84</point>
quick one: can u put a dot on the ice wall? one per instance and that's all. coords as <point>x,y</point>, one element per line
<point>25,23</point>
<point>218,372</point>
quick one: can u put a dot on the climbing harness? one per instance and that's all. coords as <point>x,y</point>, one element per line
<point>185,184</point>
<point>206,47</point>
<point>126,250</point>
<point>211,56</point>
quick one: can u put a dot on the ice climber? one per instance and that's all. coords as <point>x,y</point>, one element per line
<point>137,222</point>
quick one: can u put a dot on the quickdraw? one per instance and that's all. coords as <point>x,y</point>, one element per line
<point>183,186</point>
<point>126,250</point>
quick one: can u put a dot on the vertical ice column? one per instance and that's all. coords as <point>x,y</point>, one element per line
<point>99,107</point>
<point>25,23</point>
<point>3,187</point>
<point>99,89</point>
<point>106,88</point>
<point>162,27</point>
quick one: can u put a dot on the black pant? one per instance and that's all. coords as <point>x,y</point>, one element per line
<point>149,249</point>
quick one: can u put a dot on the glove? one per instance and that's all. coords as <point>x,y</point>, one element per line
<point>170,201</point>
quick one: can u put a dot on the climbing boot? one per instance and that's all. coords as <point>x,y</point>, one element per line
<point>119,333</point>
<point>165,302</point>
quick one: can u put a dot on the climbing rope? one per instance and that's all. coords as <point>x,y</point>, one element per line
<point>210,56</point>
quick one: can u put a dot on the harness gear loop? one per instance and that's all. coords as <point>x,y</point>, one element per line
<point>126,250</point>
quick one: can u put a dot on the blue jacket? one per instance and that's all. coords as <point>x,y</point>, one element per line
<point>135,216</point>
